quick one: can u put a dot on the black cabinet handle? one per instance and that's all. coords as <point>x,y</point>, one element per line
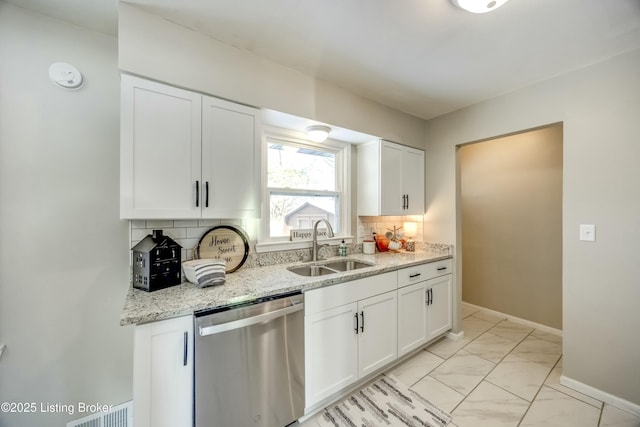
<point>426,296</point>
<point>356,315</point>
<point>186,348</point>
<point>430,296</point>
<point>413,276</point>
<point>197,194</point>
<point>362,326</point>
<point>442,268</point>
<point>206,194</point>
<point>407,201</point>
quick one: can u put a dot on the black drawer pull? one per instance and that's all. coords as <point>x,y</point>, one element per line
<point>362,326</point>
<point>413,276</point>
<point>197,194</point>
<point>442,268</point>
<point>356,316</point>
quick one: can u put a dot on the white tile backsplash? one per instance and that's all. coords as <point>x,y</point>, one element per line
<point>367,225</point>
<point>186,233</point>
<point>158,224</point>
<point>185,223</point>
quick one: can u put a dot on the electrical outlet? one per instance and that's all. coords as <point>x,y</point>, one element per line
<point>588,232</point>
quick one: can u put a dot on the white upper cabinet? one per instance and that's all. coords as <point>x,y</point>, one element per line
<point>391,174</point>
<point>186,155</point>
<point>230,160</point>
<point>390,179</point>
<point>413,181</point>
<point>160,139</point>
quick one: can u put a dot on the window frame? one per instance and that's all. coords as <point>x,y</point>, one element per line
<point>342,151</point>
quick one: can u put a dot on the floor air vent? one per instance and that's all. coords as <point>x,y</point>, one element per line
<point>118,416</point>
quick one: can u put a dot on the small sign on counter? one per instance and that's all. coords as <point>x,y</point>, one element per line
<point>307,234</point>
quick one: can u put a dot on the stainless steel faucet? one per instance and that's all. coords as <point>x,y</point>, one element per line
<point>317,247</point>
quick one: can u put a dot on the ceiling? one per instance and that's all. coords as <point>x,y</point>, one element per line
<point>423,57</point>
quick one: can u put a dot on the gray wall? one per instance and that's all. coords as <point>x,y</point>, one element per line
<point>599,109</point>
<point>511,203</point>
<point>63,250</point>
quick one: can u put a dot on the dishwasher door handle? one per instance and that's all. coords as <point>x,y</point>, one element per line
<point>242,323</point>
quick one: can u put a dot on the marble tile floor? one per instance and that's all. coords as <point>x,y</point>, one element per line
<point>502,374</point>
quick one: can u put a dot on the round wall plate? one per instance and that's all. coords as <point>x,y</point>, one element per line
<point>224,242</point>
<point>65,75</point>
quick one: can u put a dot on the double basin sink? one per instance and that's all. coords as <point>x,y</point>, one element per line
<point>329,267</point>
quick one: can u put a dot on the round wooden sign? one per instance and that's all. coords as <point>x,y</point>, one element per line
<point>224,242</point>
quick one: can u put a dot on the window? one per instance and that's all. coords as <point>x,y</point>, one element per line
<point>305,182</point>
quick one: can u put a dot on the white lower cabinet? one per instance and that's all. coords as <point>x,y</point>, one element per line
<point>424,311</point>
<point>350,331</point>
<point>439,307</point>
<point>330,348</point>
<point>412,317</point>
<point>377,332</point>
<point>163,373</point>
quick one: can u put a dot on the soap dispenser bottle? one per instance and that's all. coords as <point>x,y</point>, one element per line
<point>342,249</point>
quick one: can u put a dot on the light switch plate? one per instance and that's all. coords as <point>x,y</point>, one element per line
<point>588,232</point>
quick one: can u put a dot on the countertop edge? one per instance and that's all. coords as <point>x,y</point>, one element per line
<point>256,282</point>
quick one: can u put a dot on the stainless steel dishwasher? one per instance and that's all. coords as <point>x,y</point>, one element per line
<point>249,364</point>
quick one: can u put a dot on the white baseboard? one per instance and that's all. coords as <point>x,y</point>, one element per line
<point>455,336</point>
<point>523,322</point>
<point>600,395</point>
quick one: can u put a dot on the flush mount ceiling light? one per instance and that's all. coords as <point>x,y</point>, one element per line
<point>479,6</point>
<point>318,133</point>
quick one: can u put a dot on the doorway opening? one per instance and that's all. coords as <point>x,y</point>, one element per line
<point>510,219</point>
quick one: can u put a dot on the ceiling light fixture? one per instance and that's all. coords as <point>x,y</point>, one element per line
<point>318,133</point>
<point>479,6</point>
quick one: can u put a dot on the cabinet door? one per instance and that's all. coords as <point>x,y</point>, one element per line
<point>160,137</point>
<point>391,157</point>
<point>439,308</point>
<point>163,373</point>
<point>412,317</point>
<point>413,180</point>
<point>230,160</point>
<point>330,352</point>
<point>377,331</point>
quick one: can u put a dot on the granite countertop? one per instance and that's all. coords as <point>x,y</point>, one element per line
<point>249,283</point>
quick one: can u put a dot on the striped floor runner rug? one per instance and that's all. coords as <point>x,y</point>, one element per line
<point>384,402</point>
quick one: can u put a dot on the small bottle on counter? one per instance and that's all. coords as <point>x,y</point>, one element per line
<point>342,249</point>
